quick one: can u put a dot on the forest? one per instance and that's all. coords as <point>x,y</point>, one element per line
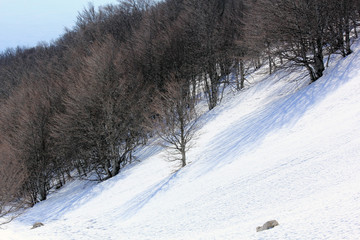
<point>80,106</point>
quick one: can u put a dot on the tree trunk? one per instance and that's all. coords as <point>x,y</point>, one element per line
<point>42,190</point>
<point>115,167</point>
<point>115,161</point>
<point>183,141</point>
<point>269,58</point>
<point>347,37</point>
<point>211,88</point>
<point>340,43</point>
<point>317,68</point>
<point>355,30</point>
<point>242,74</point>
<point>183,157</point>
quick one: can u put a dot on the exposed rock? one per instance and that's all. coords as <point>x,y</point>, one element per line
<point>37,224</point>
<point>268,225</point>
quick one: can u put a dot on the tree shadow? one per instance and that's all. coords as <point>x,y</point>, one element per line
<point>248,132</point>
<point>135,204</point>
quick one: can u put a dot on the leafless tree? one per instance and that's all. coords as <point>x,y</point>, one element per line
<point>300,30</point>
<point>12,177</point>
<point>28,135</point>
<point>343,20</point>
<point>175,120</point>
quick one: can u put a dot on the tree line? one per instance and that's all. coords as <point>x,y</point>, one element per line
<point>81,105</point>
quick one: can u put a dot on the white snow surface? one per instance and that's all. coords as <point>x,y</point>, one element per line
<point>280,149</point>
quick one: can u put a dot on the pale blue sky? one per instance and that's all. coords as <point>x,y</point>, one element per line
<point>27,22</point>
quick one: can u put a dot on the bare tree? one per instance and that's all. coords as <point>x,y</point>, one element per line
<point>28,135</point>
<point>12,177</point>
<point>175,119</point>
<point>343,20</point>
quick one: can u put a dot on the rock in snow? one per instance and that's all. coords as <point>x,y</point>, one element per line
<point>268,225</point>
<point>37,224</point>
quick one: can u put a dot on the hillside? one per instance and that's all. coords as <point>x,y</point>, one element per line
<point>280,149</point>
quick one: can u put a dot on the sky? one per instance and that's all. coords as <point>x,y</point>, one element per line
<point>26,23</point>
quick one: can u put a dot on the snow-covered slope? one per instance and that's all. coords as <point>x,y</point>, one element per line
<point>281,149</point>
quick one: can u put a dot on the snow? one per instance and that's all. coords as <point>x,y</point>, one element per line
<point>280,149</point>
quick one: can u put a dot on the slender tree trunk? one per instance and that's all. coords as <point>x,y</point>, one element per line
<point>211,88</point>
<point>257,63</point>
<point>183,157</point>
<point>270,65</point>
<point>341,39</point>
<point>115,161</point>
<point>347,36</point>
<point>355,29</point>
<point>269,58</point>
<point>319,59</point>
<point>182,140</point>
<point>242,74</point>
<point>42,189</point>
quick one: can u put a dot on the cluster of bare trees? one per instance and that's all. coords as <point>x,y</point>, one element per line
<point>300,31</point>
<point>104,114</point>
<point>80,106</point>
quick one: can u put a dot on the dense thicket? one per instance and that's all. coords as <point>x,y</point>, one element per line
<point>80,106</point>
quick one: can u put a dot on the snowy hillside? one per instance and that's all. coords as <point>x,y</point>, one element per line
<point>280,149</point>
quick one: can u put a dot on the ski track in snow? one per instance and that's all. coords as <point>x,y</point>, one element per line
<point>280,149</point>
